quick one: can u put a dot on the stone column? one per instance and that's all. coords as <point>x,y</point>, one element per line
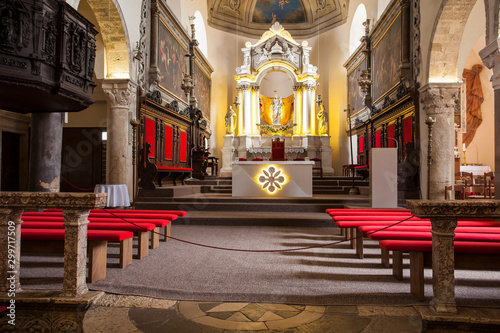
<point>118,94</point>
<point>247,109</point>
<point>306,109</point>
<point>255,130</point>
<point>491,59</point>
<point>45,153</point>
<point>437,100</point>
<point>75,252</point>
<point>10,249</point>
<point>296,107</point>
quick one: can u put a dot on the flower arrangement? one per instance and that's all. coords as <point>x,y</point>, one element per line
<point>276,129</point>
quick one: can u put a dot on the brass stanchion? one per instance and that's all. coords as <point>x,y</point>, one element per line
<point>429,122</point>
<point>354,189</point>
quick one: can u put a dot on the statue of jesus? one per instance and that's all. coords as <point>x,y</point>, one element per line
<point>277,107</point>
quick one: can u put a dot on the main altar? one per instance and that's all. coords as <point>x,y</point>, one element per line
<point>276,98</point>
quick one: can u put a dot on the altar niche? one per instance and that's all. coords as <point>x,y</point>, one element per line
<point>276,97</point>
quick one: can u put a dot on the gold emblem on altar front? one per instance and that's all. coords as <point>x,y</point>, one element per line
<point>272,179</point>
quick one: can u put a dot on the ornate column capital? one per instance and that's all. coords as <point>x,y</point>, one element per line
<point>438,98</point>
<point>491,59</point>
<point>244,86</point>
<point>118,91</point>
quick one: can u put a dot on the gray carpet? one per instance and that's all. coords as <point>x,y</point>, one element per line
<point>328,275</point>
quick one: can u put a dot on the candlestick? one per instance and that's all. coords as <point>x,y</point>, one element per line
<point>464,147</point>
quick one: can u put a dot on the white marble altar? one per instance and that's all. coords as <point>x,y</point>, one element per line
<point>272,178</point>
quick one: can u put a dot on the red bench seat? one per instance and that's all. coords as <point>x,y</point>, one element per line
<point>142,230</point>
<point>52,240</point>
<point>468,255</point>
<point>180,213</point>
<point>57,217</point>
<point>174,173</point>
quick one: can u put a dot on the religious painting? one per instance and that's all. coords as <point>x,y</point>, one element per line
<point>355,95</point>
<point>387,59</point>
<point>202,90</point>
<point>171,62</point>
<point>283,11</point>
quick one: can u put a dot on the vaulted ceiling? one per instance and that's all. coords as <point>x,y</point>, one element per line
<point>302,18</point>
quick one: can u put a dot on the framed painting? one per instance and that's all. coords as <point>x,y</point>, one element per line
<point>354,93</point>
<point>202,90</point>
<point>171,62</point>
<point>386,55</point>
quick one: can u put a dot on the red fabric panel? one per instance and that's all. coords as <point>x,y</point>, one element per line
<point>183,157</point>
<point>340,210</point>
<point>117,216</point>
<point>426,246</point>
<point>487,230</point>
<point>150,135</point>
<point>378,139</point>
<point>137,211</point>
<point>58,234</point>
<point>173,169</point>
<point>357,224</point>
<point>391,135</point>
<point>360,144</point>
<point>136,227</point>
<point>407,130</point>
<point>168,142</point>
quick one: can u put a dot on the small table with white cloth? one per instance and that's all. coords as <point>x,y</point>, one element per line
<point>476,170</point>
<point>117,194</point>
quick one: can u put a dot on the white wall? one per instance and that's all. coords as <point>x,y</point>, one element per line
<point>482,148</point>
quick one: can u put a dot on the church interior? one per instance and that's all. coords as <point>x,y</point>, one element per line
<point>237,165</point>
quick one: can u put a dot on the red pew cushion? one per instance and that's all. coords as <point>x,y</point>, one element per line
<point>92,235</point>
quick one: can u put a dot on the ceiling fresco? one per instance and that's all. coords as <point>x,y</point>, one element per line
<point>302,18</point>
<point>284,11</point>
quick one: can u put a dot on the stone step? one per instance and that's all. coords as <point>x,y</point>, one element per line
<point>247,204</point>
<point>315,219</point>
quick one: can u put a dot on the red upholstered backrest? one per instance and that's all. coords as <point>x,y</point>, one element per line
<point>378,139</point>
<point>360,144</point>
<point>183,147</point>
<point>407,129</point>
<point>150,135</point>
<point>391,135</point>
<point>168,142</point>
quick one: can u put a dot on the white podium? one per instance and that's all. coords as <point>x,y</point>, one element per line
<point>384,177</point>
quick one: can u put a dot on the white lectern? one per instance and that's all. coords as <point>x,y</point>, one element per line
<point>384,177</point>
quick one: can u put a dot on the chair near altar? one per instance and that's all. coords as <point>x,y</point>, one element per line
<point>278,150</point>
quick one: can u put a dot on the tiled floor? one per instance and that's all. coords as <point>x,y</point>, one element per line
<point>141,314</point>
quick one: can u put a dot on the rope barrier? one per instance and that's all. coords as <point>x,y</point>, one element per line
<point>88,189</point>
<point>258,251</point>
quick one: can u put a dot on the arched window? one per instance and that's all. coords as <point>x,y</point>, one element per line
<point>357,28</point>
<point>201,33</point>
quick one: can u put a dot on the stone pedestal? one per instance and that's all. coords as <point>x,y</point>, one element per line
<point>438,101</point>
<point>76,207</point>
<point>443,215</point>
<point>227,156</point>
<point>45,152</point>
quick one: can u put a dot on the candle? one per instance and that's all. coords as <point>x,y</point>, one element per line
<point>292,140</point>
<point>259,140</point>
<point>252,144</point>
<point>300,142</point>
<point>464,146</point>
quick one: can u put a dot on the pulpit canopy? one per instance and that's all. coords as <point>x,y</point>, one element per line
<point>47,56</point>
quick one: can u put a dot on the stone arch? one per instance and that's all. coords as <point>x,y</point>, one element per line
<point>447,34</point>
<point>114,36</point>
<point>277,67</point>
<point>357,29</point>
